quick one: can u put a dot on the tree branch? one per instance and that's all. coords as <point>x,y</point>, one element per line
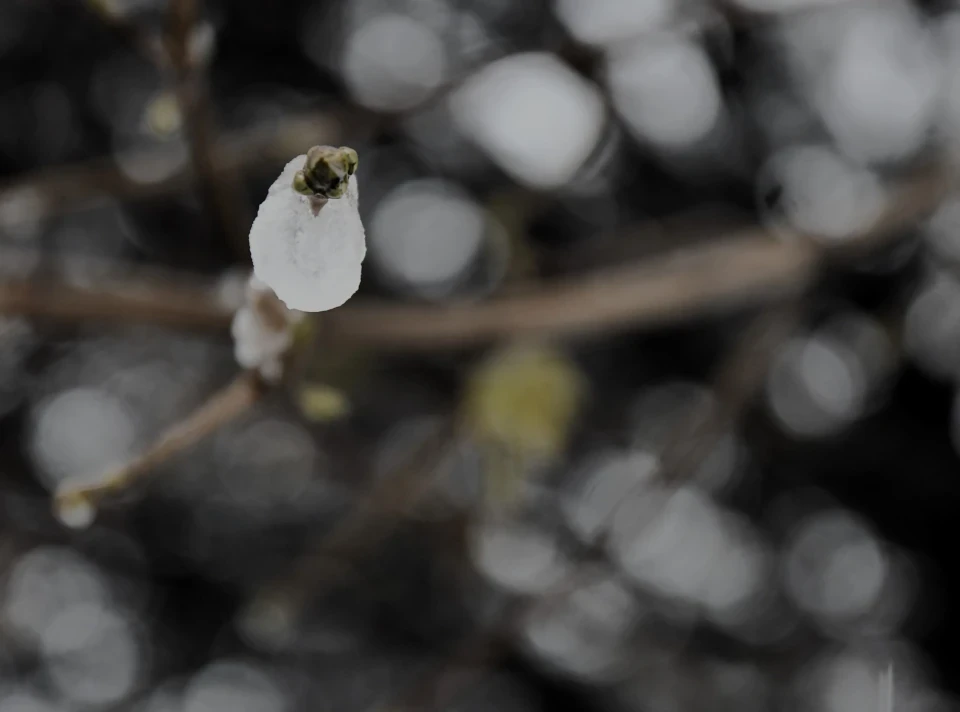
<point>77,505</point>
<point>132,34</point>
<point>224,191</point>
<point>62,189</point>
<point>720,273</point>
<point>127,302</point>
<point>660,290</point>
<point>380,509</point>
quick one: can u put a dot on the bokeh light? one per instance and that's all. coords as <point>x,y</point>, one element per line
<point>533,115</point>
<point>81,434</point>
<point>45,582</point>
<point>820,194</point>
<point>392,62</point>
<point>610,21</point>
<point>519,558</point>
<point>666,91</point>
<point>425,235</point>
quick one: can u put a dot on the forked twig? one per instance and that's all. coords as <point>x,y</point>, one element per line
<point>327,562</point>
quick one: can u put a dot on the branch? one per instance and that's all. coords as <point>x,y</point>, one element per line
<point>722,272</point>
<point>76,506</point>
<point>223,188</point>
<point>661,290</point>
<point>72,187</point>
<point>131,33</point>
<point>480,650</point>
<point>117,303</point>
<point>381,508</point>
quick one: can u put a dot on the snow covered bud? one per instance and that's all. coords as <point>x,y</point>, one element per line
<point>263,331</point>
<point>307,241</point>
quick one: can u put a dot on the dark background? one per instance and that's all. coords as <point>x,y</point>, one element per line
<point>137,138</point>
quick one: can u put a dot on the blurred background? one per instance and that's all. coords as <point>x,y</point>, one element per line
<point>646,402</point>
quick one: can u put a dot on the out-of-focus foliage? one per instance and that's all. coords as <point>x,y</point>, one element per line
<point>319,402</point>
<point>519,405</point>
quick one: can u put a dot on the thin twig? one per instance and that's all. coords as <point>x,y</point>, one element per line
<point>666,289</point>
<point>181,306</point>
<point>721,273</point>
<point>327,562</point>
<point>476,653</point>
<point>481,649</point>
<point>231,402</point>
<point>73,187</point>
<point>225,191</point>
<point>149,46</point>
<point>734,386</point>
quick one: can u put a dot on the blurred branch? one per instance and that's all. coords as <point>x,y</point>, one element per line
<point>660,290</point>
<point>721,272</point>
<point>481,650</point>
<point>475,654</point>
<point>734,386</point>
<point>223,188</point>
<point>225,405</point>
<point>119,303</point>
<point>380,509</point>
<point>72,187</point>
<point>656,291</point>
<point>150,47</point>
<point>181,63</point>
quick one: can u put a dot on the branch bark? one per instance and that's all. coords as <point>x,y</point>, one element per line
<point>226,405</point>
<point>63,189</point>
<point>720,273</point>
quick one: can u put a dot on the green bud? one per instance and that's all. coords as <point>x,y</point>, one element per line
<point>300,184</point>
<point>326,172</point>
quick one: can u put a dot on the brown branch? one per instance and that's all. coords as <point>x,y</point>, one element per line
<point>231,402</point>
<point>174,58</point>
<point>118,303</point>
<point>72,187</point>
<point>661,290</point>
<point>475,654</point>
<point>740,376</point>
<point>147,45</point>
<point>720,273</point>
<point>481,650</point>
<point>223,188</point>
<point>327,562</point>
